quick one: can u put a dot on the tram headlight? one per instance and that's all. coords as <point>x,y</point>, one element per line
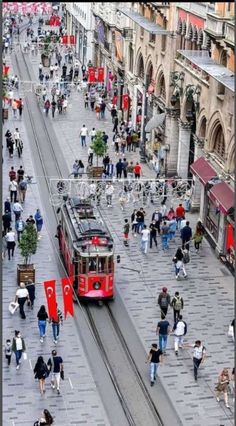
<point>97,285</point>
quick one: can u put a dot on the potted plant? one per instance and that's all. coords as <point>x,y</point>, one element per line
<point>99,148</point>
<point>4,97</point>
<point>28,247</point>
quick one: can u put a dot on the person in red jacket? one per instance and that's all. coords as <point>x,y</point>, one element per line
<point>180,214</point>
<point>137,171</point>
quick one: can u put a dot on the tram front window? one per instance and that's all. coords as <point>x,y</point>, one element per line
<point>92,264</point>
<point>97,264</point>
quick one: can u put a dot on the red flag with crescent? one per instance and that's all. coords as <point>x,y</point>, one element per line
<point>67,291</point>
<point>50,291</point>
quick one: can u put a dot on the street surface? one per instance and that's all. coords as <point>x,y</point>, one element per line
<point>208,295</point>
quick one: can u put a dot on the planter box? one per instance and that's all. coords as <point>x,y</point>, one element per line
<point>25,272</point>
<point>95,172</point>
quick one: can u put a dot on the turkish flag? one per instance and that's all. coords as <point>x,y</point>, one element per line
<point>125,101</point>
<point>5,69</point>
<point>114,100</point>
<point>50,291</point>
<point>65,39</point>
<point>91,75</point>
<point>100,74</point>
<point>67,291</point>
<point>72,39</point>
<point>57,21</point>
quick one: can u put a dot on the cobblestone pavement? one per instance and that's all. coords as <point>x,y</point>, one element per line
<point>208,291</point>
<point>22,403</point>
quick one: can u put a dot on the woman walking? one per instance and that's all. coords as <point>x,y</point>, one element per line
<point>117,144</point>
<point>18,347</point>
<point>80,168</point>
<point>46,419</point>
<point>41,373</point>
<point>198,235</point>
<point>222,386</point>
<point>134,222</point>
<point>179,264</point>
<point>42,321</point>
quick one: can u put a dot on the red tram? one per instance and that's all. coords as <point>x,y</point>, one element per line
<point>87,249</point>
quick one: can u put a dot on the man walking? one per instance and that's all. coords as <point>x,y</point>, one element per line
<point>109,192</point>
<point>22,295</point>
<point>153,233</point>
<point>163,301</point>
<point>30,286</point>
<point>19,226</point>
<point>83,134</point>
<point>145,237</point>
<point>179,213</point>
<point>180,330</point>
<point>155,357</point>
<point>186,235</point>
<point>119,168</point>
<point>56,322</point>
<point>55,366</point>
<point>199,355</point>
<point>22,190</point>
<point>11,242</point>
<point>6,219</point>
<point>177,304</point>
<point>164,236</point>
<point>162,330</point>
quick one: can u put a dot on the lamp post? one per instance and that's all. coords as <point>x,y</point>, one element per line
<point>143,123</point>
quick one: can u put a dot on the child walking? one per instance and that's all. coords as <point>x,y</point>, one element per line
<point>126,233</point>
<point>8,351</point>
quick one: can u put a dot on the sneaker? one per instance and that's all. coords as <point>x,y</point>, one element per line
<point>52,386</point>
<point>177,277</point>
<point>227,405</point>
<point>17,367</point>
<point>218,399</point>
<point>195,377</point>
<point>41,340</point>
<point>176,353</point>
<point>185,276</point>
<point>55,341</point>
<point>152,383</point>
<point>58,392</point>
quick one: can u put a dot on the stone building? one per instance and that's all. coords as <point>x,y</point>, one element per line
<point>176,60</point>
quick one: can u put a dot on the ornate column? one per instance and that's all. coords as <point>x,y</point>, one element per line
<point>172,139</point>
<point>197,186</point>
<point>184,146</point>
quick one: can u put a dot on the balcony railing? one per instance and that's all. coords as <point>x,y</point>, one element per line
<point>200,8</point>
<point>229,32</point>
<point>215,26</point>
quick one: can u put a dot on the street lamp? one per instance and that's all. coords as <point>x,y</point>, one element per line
<point>166,148</point>
<point>144,116</point>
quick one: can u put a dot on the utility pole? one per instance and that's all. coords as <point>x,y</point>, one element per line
<point>143,124</point>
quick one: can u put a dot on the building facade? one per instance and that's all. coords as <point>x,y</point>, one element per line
<point>80,23</point>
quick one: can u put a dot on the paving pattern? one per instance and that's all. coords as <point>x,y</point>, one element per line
<point>208,295</point>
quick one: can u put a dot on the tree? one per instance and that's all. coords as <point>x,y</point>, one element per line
<point>98,145</point>
<point>28,243</point>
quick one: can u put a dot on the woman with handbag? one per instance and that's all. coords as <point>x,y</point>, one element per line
<point>179,264</point>
<point>41,373</point>
<point>18,347</point>
<point>45,420</point>
<point>222,386</point>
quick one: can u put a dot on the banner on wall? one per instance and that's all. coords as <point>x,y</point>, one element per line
<point>125,104</point>
<point>100,74</point>
<point>119,46</point>
<point>91,75</point>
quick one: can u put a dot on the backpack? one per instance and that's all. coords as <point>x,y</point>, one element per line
<point>164,302</point>
<point>178,303</point>
<point>23,185</point>
<point>186,258</point>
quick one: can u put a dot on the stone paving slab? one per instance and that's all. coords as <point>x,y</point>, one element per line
<point>22,403</point>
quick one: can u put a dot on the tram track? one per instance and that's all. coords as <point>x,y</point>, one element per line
<point>51,165</point>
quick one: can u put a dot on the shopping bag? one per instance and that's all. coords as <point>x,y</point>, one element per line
<point>13,307</point>
<point>231,331</point>
<point>25,356</point>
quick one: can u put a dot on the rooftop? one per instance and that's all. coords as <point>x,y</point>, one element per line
<point>203,61</point>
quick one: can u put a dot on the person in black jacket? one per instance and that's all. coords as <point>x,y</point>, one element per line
<point>119,168</point>
<point>41,373</point>
<point>186,235</point>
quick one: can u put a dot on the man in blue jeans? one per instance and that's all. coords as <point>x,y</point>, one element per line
<point>155,357</point>
<point>164,236</point>
<point>56,322</point>
<point>83,134</point>
<point>163,329</point>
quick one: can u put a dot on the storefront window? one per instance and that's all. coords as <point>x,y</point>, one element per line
<point>230,251</point>
<point>212,220</point>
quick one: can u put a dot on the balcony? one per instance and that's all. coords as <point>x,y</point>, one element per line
<point>215,26</point>
<point>229,34</point>
<point>198,8</point>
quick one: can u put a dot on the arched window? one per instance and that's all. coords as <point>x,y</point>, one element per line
<point>179,27</point>
<point>202,131</point>
<point>140,68</point>
<point>194,38</point>
<point>161,87</point>
<point>183,34</point>
<point>223,58</point>
<point>200,39</point>
<point>219,144</point>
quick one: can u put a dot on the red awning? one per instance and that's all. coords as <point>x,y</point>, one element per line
<point>224,195</point>
<point>203,170</point>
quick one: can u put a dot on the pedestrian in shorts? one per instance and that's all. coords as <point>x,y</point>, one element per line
<point>126,233</point>
<point>55,366</point>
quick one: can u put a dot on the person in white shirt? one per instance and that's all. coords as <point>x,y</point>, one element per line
<point>163,210</point>
<point>22,295</point>
<point>179,329</point>
<point>90,156</point>
<point>83,134</point>
<point>199,354</point>
<point>183,223</point>
<point>17,209</point>
<point>109,190</point>
<point>11,242</point>
<point>13,186</point>
<point>65,104</point>
<point>92,134</point>
<point>145,238</point>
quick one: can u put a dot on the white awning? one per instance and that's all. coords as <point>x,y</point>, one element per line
<point>145,23</point>
<point>156,121</point>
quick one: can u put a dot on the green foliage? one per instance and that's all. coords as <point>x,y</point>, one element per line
<point>4,85</point>
<point>28,242</point>
<point>98,145</point>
